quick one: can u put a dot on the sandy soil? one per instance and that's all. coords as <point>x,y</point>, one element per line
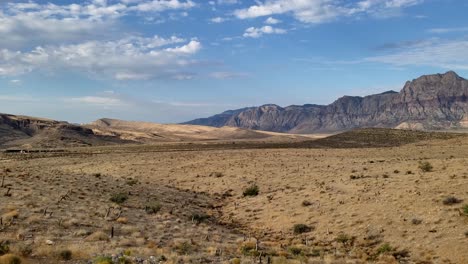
<point>368,205</point>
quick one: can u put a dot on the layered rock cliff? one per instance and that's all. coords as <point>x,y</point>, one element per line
<point>430,102</point>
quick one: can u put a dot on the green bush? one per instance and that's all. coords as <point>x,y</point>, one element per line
<point>251,191</point>
<point>103,260</point>
<point>183,248</point>
<point>385,248</point>
<point>65,254</point>
<point>295,251</point>
<point>4,248</point>
<point>152,207</point>
<point>425,166</point>
<point>199,217</point>
<point>343,238</point>
<point>119,198</point>
<point>301,228</point>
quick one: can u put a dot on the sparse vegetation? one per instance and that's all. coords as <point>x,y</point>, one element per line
<point>306,203</point>
<point>119,198</point>
<point>65,254</point>
<point>4,248</point>
<point>465,209</point>
<point>384,249</point>
<point>131,181</point>
<point>252,190</point>
<point>451,200</point>
<point>301,228</point>
<point>183,248</point>
<point>199,217</point>
<point>103,260</point>
<point>152,207</point>
<point>425,166</point>
<point>295,250</point>
<point>344,238</point>
<point>249,249</point>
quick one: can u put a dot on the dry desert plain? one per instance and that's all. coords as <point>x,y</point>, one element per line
<point>197,203</point>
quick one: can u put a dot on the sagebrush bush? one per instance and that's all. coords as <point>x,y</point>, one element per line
<point>465,209</point>
<point>251,191</point>
<point>385,248</point>
<point>65,254</point>
<point>451,200</point>
<point>425,166</point>
<point>103,260</point>
<point>343,238</point>
<point>119,198</point>
<point>199,217</point>
<point>301,228</point>
<point>152,207</point>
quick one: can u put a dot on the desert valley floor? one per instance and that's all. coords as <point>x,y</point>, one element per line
<point>185,203</point>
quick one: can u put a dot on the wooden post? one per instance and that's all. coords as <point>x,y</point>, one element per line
<point>8,192</point>
<point>112,232</point>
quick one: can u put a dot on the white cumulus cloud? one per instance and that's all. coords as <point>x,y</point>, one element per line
<point>320,11</point>
<point>253,32</point>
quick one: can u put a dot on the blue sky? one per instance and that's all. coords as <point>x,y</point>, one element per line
<point>174,60</point>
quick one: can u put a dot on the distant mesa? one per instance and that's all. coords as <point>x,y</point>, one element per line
<point>430,102</point>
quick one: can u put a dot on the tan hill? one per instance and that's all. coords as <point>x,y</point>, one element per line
<point>147,132</point>
<point>33,132</point>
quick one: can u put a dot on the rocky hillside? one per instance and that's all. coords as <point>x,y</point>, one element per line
<point>32,132</point>
<point>430,102</point>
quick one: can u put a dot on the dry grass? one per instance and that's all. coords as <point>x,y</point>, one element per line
<point>198,215</point>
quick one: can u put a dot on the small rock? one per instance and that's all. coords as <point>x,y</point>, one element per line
<point>49,242</point>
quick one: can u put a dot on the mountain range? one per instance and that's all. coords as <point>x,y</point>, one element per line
<point>430,102</point>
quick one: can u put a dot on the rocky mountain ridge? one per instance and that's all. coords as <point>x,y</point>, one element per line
<point>430,102</point>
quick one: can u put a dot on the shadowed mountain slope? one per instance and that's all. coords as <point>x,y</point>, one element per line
<point>430,102</point>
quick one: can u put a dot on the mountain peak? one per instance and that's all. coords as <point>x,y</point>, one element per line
<point>437,101</point>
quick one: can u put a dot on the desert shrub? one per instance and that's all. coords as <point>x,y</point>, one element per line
<point>119,198</point>
<point>385,248</point>
<point>425,166</point>
<point>217,174</point>
<point>295,250</point>
<point>249,249</point>
<point>152,207</point>
<point>416,221</point>
<point>4,248</point>
<point>65,254</point>
<point>314,253</point>
<point>235,261</point>
<point>251,191</point>
<point>466,234</point>
<point>103,260</point>
<point>199,217</point>
<point>10,259</point>
<point>306,203</point>
<point>183,248</point>
<point>343,238</point>
<point>132,181</point>
<point>301,228</point>
<point>24,250</point>
<point>451,200</point>
<point>465,209</point>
